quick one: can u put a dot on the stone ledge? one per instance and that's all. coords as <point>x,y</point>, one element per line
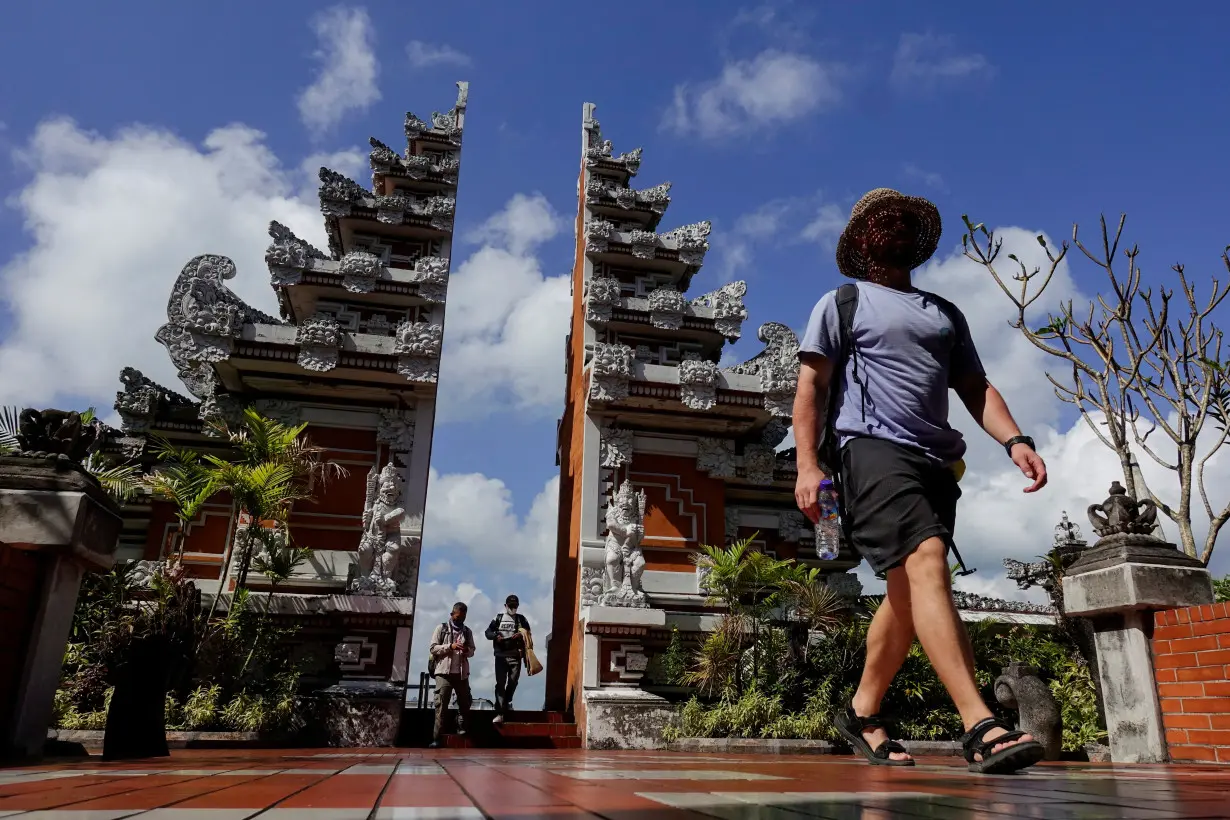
<point>93,739</point>
<point>770,746</point>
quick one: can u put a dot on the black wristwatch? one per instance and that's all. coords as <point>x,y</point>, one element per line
<point>1015,440</point>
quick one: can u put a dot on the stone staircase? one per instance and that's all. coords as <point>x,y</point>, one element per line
<point>521,730</point>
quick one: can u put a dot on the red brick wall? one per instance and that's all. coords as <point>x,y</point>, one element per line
<point>1191,656</point>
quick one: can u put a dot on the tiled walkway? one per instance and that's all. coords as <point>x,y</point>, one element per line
<point>336,785</point>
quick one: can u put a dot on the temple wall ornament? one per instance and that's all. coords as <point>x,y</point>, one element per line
<point>418,345</point>
<point>630,662</point>
<point>845,584</point>
<point>339,194</point>
<point>615,448</point>
<point>666,307</point>
<point>599,150</point>
<point>774,433</point>
<point>360,270</point>
<point>592,585</point>
<point>598,234</point>
<point>698,383</point>
<point>691,242</point>
<point>288,256</point>
<point>792,526</point>
<point>716,456</point>
<point>396,430</point>
<point>729,312</point>
<point>777,366</point>
<point>759,463</point>
<point>625,563</point>
<point>734,519</point>
<point>610,372</point>
<point>289,413</point>
<point>431,274</point>
<point>319,338</point>
<point>655,199</point>
<point>204,318</point>
<point>602,295</point>
<point>220,408</point>
<point>138,403</point>
<point>644,243</point>
<point>381,543</point>
<point>1068,534</point>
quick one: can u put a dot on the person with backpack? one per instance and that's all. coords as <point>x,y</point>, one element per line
<point>871,414</point>
<point>509,632</point>
<point>452,646</point>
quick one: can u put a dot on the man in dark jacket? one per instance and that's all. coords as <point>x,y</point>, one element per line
<point>505,633</point>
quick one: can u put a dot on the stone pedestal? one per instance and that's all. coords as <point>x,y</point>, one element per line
<point>1118,584</point>
<point>56,523</point>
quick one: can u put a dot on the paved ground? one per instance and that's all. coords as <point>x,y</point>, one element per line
<point>331,785</point>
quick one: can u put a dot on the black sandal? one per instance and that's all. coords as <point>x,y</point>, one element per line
<point>1012,759</point>
<point>851,727</point>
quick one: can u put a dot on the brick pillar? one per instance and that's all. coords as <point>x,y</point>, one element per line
<point>1191,650</point>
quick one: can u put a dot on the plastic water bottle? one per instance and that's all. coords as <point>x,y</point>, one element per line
<point>828,529</point>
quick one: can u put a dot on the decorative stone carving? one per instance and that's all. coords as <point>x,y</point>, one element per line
<point>691,242</point>
<point>729,312</point>
<point>289,413</point>
<point>381,542</point>
<point>600,150</point>
<point>615,447</point>
<point>625,522</point>
<point>733,522</point>
<point>463,95</point>
<point>360,270</point>
<point>140,399</point>
<point>414,127</point>
<point>320,343</point>
<point>203,320</point>
<point>431,274</point>
<point>630,662</point>
<point>58,433</point>
<point>716,456</point>
<point>1068,534</point>
<point>703,571</point>
<point>220,409</point>
<point>602,295</point>
<point>592,586</point>
<point>339,194</point>
<point>288,256</point>
<point>845,584</point>
<point>446,124</point>
<point>698,383</point>
<point>1120,516</point>
<point>792,526</point>
<point>758,464</point>
<point>774,433</point>
<point>981,603</point>
<point>132,447</point>
<point>1020,688</point>
<point>396,430</point>
<point>598,234</point>
<point>666,308</point>
<point>778,368</point>
<point>655,199</point>
<point>417,345</point>
<point>141,573</point>
<point>644,244</point>
<point>610,372</point>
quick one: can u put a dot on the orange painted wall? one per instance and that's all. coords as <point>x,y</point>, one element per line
<point>684,503</point>
<point>563,660</point>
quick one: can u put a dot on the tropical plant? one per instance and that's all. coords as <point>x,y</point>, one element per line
<point>1221,589</point>
<point>1139,362</point>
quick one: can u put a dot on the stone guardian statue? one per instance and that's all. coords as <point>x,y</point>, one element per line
<point>625,563</point>
<point>381,540</point>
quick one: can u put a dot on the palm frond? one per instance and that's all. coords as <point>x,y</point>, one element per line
<point>122,482</point>
<point>9,425</point>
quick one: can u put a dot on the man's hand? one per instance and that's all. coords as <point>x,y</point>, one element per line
<point>1031,465</point>
<point>807,492</point>
<point>459,645</point>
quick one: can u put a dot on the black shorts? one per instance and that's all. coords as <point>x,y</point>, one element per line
<point>895,498</point>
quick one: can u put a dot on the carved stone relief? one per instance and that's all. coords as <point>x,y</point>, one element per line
<point>625,564</point>
<point>592,585</point>
<point>733,521</point>
<point>602,295</point>
<point>666,308</point>
<point>729,312</point>
<point>288,256</point>
<point>792,526</point>
<point>140,400</point>
<point>615,448</point>
<point>431,273</point>
<point>610,372</point>
<point>381,543</point>
<point>630,661</point>
<point>716,456</point>
<point>598,234</point>
<point>691,241</point>
<point>289,413</point>
<point>777,366</point>
<point>417,344</point>
<point>360,270</point>
<point>644,244</point>
<point>698,383</point>
<point>396,430</point>
<point>320,343</point>
<point>758,464</point>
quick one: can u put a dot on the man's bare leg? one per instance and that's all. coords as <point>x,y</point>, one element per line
<point>942,634</point>
<point>888,642</point>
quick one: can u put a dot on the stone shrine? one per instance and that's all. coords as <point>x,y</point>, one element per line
<point>355,354</point>
<point>661,450</point>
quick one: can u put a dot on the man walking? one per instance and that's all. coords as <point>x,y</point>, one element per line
<point>452,646</point>
<point>891,352</point>
<point>508,631</point>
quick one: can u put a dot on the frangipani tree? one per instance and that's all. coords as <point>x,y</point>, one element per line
<point>1143,368</point>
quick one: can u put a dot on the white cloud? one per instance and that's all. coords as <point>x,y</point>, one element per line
<point>424,55</point>
<point>772,87</point>
<point>351,163</point>
<point>507,320</point>
<point>471,515</point>
<point>348,68</point>
<point>927,59</point>
<point>927,178</point>
<point>111,221</point>
<point>734,249</point>
<point>826,226</point>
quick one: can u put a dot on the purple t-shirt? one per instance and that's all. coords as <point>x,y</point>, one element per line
<point>907,355</point>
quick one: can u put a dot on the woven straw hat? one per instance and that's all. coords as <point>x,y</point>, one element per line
<point>850,260</point>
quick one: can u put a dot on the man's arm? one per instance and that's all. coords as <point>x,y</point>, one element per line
<point>810,405</point>
<point>470,647</point>
<point>437,648</point>
<point>493,629</point>
<point>989,409</point>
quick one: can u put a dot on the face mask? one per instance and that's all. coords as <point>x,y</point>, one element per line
<point>512,610</point>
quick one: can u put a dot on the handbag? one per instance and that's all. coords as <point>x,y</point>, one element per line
<point>532,665</point>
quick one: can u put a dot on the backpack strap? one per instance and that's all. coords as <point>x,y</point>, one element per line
<point>847,305</point>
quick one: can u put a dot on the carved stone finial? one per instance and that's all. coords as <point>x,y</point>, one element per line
<point>1067,533</point>
<point>58,433</point>
<point>1120,515</point>
<point>625,563</point>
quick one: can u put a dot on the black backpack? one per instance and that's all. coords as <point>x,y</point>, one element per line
<point>830,448</point>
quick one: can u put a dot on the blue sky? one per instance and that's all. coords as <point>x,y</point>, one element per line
<point>138,135</point>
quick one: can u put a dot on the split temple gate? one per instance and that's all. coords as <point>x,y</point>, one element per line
<point>355,354</point>
<point>661,451</point>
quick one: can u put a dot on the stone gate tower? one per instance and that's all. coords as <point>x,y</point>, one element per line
<point>661,450</point>
<point>355,353</point>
